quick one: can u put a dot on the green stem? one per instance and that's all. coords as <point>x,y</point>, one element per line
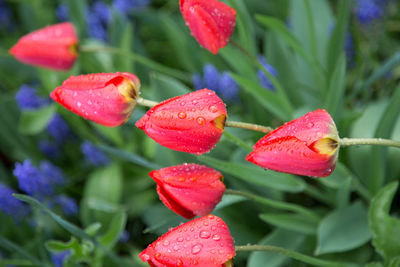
<point>248,126</point>
<point>294,255</point>
<point>139,59</point>
<point>274,203</point>
<point>369,141</point>
<point>145,102</point>
<point>237,141</point>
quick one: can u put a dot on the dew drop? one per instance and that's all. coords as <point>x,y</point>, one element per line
<point>196,249</point>
<point>179,263</point>
<point>310,125</point>
<point>200,120</point>
<point>181,115</point>
<point>79,104</point>
<point>213,108</point>
<point>216,237</point>
<point>205,234</point>
<point>166,243</point>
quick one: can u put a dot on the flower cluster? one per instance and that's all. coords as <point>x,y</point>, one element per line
<point>9,205</point>
<point>43,182</point>
<point>368,11</point>
<point>221,83</point>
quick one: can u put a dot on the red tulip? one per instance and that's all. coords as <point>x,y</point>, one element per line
<point>305,146</point>
<point>211,22</point>
<point>189,190</point>
<point>53,47</point>
<point>190,123</point>
<point>105,98</point>
<point>202,242</point>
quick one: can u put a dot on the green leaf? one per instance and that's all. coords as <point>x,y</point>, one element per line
<point>117,226</point>
<point>385,229</point>
<point>336,43</point>
<point>280,28</point>
<point>125,155</point>
<point>272,101</point>
<point>35,121</point>
<point>71,228</point>
<point>255,175</point>
<point>12,247</point>
<point>79,252</point>
<point>337,86</point>
<point>293,222</point>
<point>377,161</point>
<point>343,230</point>
<point>165,87</point>
<point>281,238</point>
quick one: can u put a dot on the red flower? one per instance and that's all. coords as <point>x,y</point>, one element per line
<point>189,189</point>
<point>202,242</point>
<point>53,47</point>
<point>105,98</point>
<point>305,146</point>
<point>190,123</point>
<point>211,22</point>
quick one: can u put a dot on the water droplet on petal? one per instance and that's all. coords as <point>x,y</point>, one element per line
<point>201,120</point>
<point>213,108</point>
<point>197,248</point>
<point>205,234</point>
<point>181,115</point>
<point>216,237</point>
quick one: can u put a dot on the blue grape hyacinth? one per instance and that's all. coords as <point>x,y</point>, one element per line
<point>58,258</point>
<point>67,204</point>
<point>11,206</point>
<point>93,155</point>
<point>38,182</point>
<point>221,83</point>
<point>27,98</point>
<point>262,77</point>
<point>49,149</point>
<point>59,129</point>
<point>98,18</point>
<point>126,6</point>
<point>368,11</point>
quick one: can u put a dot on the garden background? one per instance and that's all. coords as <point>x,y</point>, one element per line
<point>93,202</point>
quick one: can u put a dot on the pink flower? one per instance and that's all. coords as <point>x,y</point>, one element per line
<point>202,242</point>
<point>211,22</point>
<point>190,123</point>
<point>53,47</point>
<point>105,98</point>
<point>189,189</point>
<point>305,146</point>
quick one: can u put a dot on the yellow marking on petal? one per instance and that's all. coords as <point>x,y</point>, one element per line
<point>73,49</point>
<point>219,121</point>
<point>128,89</point>
<point>326,146</point>
<point>228,263</point>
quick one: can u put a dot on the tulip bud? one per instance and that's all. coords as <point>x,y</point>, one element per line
<point>189,189</point>
<point>202,242</point>
<point>305,146</point>
<point>190,123</point>
<point>53,47</point>
<point>211,22</point>
<point>105,98</point>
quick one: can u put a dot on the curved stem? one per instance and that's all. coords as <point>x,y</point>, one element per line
<point>368,141</point>
<point>294,255</point>
<point>139,59</point>
<point>274,203</point>
<point>145,102</point>
<point>248,126</point>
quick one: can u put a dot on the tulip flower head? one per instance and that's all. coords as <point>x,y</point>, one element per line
<point>105,98</point>
<point>189,189</point>
<point>53,47</point>
<point>305,146</point>
<point>211,22</point>
<point>190,123</point>
<point>204,242</point>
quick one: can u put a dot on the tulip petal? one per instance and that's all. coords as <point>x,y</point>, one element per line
<point>204,241</point>
<point>102,97</point>
<point>309,128</point>
<point>211,22</point>
<point>53,47</point>
<point>186,123</point>
<point>189,190</point>
<point>291,155</point>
